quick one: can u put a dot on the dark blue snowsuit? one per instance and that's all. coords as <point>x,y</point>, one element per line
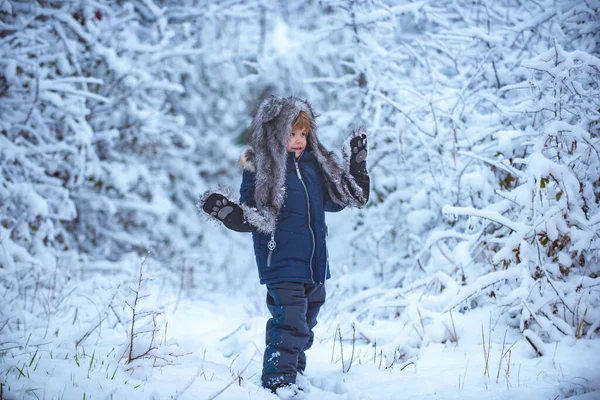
<point>296,269</point>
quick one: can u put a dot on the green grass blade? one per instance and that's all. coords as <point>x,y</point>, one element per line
<point>33,358</point>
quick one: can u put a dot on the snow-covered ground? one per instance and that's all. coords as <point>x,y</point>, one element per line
<point>219,343</point>
<point>212,338</point>
<point>441,371</point>
<point>482,231</point>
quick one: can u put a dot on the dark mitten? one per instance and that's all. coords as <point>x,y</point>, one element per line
<point>363,181</point>
<point>358,155</point>
<point>227,212</point>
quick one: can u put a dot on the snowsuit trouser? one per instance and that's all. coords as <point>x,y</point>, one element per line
<point>294,307</point>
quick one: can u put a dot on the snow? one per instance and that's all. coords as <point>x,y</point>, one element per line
<point>215,360</point>
<point>489,215</point>
<point>479,246</point>
<point>419,221</point>
<point>284,43</point>
<point>29,200</point>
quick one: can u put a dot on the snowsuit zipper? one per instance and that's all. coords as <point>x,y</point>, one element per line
<point>271,245</point>
<point>312,234</point>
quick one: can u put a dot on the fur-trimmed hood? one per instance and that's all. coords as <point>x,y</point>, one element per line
<point>266,156</point>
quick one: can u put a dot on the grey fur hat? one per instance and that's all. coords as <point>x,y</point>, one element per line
<point>266,156</point>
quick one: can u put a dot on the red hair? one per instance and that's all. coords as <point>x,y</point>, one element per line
<point>302,122</point>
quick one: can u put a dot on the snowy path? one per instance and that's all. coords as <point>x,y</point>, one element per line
<point>199,327</point>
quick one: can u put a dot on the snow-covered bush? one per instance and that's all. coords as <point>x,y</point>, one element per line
<point>468,121</point>
<point>84,134</point>
<point>100,162</point>
<point>483,121</point>
<point>547,223</point>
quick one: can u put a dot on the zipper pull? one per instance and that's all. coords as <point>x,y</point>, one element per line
<point>297,170</point>
<point>272,244</point>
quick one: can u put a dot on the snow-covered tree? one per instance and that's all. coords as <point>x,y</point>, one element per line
<point>546,224</point>
<point>484,154</point>
<point>459,122</point>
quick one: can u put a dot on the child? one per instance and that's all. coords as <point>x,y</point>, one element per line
<point>289,181</point>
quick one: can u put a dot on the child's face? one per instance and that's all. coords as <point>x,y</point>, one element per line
<point>297,141</point>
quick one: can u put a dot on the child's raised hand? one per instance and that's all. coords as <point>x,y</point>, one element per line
<point>218,206</point>
<point>358,154</point>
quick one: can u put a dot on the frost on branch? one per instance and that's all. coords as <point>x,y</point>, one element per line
<point>554,200</point>
<point>146,326</point>
<point>484,166</point>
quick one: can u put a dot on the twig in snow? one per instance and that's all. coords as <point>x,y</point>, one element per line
<point>455,337</point>
<point>508,369</point>
<point>507,168</point>
<point>465,376</point>
<point>485,371</point>
<point>401,110</point>
<point>243,325</point>
<point>501,355</point>
<point>341,349</point>
<point>541,265</point>
<point>375,352</point>
<point>489,215</point>
<point>489,343</point>
<point>486,352</point>
<point>352,354</point>
<point>89,332</point>
<point>578,333</point>
<point>421,320</point>
<point>537,352</point>
<point>333,349</point>
<point>153,330</point>
<point>406,365</point>
<point>483,282</point>
<point>416,330</point>
<point>232,361</point>
<point>236,378</point>
<point>190,383</point>
<point>531,337</point>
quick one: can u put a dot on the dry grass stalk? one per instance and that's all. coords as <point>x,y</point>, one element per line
<point>501,355</point>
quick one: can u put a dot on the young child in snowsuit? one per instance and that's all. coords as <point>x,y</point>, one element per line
<point>289,181</point>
